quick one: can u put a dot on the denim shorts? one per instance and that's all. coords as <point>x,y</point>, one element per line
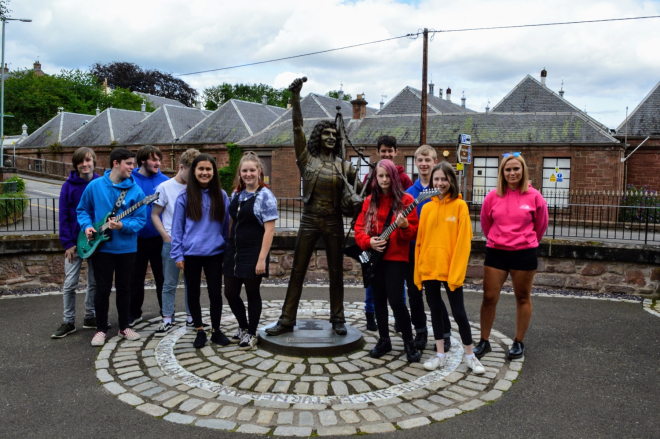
<point>523,260</point>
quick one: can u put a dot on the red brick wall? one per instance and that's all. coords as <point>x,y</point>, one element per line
<point>644,164</point>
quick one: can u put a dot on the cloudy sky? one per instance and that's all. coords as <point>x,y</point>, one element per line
<point>604,66</point>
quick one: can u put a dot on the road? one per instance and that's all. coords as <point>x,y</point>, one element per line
<point>42,213</point>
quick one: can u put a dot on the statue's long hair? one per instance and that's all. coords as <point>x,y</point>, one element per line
<point>314,142</point>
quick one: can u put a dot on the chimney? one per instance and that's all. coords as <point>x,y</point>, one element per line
<point>449,94</point>
<point>264,99</point>
<point>143,106</point>
<point>463,100</point>
<point>198,105</point>
<point>288,103</point>
<point>431,85</point>
<point>60,110</point>
<point>98,111</point>
<point>561,91</point>
<point>359,107</point>
<point>24,133</point>
<point>37,65</point>
<point>544,73</point>
<point>440,93</point>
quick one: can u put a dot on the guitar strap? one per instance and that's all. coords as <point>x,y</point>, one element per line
<point>119,202</point>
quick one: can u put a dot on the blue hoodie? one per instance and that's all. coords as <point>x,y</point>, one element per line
<point>148,186</point>
<point>72,190</point>
<point>98,200</point>
<point>198,238</point>
<point>415,190</point>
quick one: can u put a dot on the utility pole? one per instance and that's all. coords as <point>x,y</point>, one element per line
<point>425,67</point>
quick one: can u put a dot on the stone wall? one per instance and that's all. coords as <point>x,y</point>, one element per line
<point>29,262</point>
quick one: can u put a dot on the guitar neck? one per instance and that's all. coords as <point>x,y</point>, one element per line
<point>125,213</point>
<point>392,227</point>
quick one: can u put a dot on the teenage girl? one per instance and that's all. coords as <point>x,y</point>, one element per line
<point>442,253</point>
<point>253,210</point>
<point>387,196</point>
<point>199,232</point>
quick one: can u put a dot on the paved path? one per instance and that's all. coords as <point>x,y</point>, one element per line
<point>591,370</point>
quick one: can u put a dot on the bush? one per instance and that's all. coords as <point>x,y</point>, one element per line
<point>20,183</point>
<point>644,206</point>
<point>12,206</point>
<point>228,173</point>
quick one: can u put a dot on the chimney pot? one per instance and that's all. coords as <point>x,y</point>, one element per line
<point>264,99</point>
<point>98,111</point>
<point>143,106</point>
<point>24,133</point>
<point>449,94</point>
<point>544,74</point>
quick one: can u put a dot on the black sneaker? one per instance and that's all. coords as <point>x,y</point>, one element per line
<point>420,340</point>
<point>412,354</point>
<point>217,337</point>
<point>200,340</point>
<point>163,329</point>
<point>517,350</point>
<point>134,321</point>
<point>371,322</point>
<point>89,323</point>
<point>64,330</point>
<point>383,346</point>
<point>482,348</point>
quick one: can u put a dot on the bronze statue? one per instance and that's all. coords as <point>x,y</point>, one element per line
<point>321,164</point>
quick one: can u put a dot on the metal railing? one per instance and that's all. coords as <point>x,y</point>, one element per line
<point>631,216</point>
<point>46,167</point>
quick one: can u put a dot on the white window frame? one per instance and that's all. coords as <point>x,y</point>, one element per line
<point>486,180</point>
<point>411,168</point>
<point>549,189</point>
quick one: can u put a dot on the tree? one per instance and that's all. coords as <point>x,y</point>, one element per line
<point>125,99</point>
<point>215,96</point>
<point>134,78</point>
<point>4,9</point>
<point>335,94</point>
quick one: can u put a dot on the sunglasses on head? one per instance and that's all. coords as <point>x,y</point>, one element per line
<point>509,154</point>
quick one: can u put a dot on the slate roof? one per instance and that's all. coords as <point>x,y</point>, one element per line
<point>164,125</point>
<point>645,118</point>
<point>105,128</point>
<point>55,130</point>
<point>491,128</point>
<point>409,101</point>
<point>530,96</point>
<point>318,106</point>
<point>159,101</point>
<point>233,121</point>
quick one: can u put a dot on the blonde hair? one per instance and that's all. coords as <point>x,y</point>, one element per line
<point>426,150</point>
<point>187,157</point>
<point>501,181</point>
<point>250,156</point>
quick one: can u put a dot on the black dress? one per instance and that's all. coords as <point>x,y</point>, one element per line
<point>245,239</point>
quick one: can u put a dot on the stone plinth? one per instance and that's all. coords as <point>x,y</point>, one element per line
<point>312,338</point>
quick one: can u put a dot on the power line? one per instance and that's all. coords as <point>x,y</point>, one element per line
<point>416,34</point>
<point>299,56</point>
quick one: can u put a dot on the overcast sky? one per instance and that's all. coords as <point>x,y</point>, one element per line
<point>604,66</point>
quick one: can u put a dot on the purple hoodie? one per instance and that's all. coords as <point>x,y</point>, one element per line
<point>70,195</point>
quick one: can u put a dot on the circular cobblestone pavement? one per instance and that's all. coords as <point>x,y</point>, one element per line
<point>260,392</point>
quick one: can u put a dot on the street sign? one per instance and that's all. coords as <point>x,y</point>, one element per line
<point>464,149</point>
<point>465,139</point>
<point>459,166</point>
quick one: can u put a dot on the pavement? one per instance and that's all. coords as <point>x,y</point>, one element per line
<point>591,370</point>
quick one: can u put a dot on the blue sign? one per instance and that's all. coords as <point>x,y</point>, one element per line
<point>560,178</point>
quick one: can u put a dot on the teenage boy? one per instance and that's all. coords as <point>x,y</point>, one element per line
<point>115,192</point>
<point>425,159</point>
<point>161,216</point>
<point>386,150</point>
<point>149,242</point>
<point>84,162</point>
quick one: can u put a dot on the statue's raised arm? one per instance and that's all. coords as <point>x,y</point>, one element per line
<point>299,140</point>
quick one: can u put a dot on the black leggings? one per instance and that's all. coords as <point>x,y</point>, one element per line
<point>107,265</point>
<point>233,295</point>
<point>212,266</point>
<point>434,299</point>
<point>387,285</point>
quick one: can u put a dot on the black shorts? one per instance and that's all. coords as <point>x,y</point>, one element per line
<point>524,260</point>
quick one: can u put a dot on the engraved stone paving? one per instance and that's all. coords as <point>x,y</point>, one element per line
<point>264,393</point>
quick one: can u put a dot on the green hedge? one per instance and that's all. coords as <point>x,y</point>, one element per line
<point>11,204</point>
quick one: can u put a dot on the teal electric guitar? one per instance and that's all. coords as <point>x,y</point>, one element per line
<point>86,248</point>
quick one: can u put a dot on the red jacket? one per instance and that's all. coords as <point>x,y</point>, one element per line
<point>406,182</point>
<point>399,241</point>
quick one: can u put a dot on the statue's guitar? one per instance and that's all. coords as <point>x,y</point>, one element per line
<point>369,259</point>
<point>87,248</point>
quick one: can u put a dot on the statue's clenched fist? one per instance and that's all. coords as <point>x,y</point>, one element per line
<point>297,84</point>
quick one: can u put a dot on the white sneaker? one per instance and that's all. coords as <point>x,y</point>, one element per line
<point>99,339</point>
<point>129,334</point>
<point>474,364</point>
<point>236,338</point>
<point>248,342</point>
<point>435,362</point>
<point>163,329</point>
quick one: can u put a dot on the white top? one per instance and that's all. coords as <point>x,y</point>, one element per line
<point>169,191</point>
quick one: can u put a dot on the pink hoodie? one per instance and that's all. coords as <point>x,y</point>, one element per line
<point>515,221</point>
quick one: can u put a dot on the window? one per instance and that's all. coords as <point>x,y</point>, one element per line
<point>411,169</point>
<point>361,166</point>
<point>39,165</point>
<point>484,177</point>
<point>556,180</point>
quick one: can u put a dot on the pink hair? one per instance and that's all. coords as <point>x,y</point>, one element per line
<point>396,190</point>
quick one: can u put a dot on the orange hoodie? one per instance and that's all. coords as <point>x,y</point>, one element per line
<point>444,240</point>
